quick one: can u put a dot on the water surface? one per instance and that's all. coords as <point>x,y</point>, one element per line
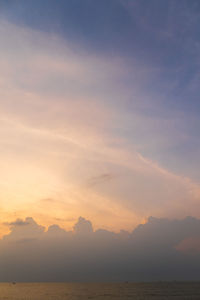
<point>73,291</point>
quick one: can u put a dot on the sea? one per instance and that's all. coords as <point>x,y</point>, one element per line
<point>118,291</point>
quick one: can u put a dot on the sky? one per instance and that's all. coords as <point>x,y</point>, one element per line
<point>99,112</point>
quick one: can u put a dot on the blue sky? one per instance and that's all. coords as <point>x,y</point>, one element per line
<point>123,73</point>
<point>161,36</point>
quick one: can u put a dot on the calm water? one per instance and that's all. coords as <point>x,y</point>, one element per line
<point>72,291</point>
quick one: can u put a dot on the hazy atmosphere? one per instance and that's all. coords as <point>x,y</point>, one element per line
<point>158,250</point>
<point>99,140</point>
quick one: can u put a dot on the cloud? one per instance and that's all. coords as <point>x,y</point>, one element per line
<point>83,227</point>
<point>18,222</point>
<point>160,249</point>
<point>189,245</point>
<point>54,231</point>
<point>24,230</point>
<point>106,177</point>
<point>64,128</point>
<point>94,134</point>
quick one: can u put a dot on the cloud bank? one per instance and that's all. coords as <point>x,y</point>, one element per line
<point>160,249</point>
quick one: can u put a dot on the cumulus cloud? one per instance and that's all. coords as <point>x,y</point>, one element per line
<point>156,250</point>
<point>83,227</point>
<point>24,229</point>
<point>18,222</point>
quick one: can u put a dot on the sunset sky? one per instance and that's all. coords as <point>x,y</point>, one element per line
<point>99,111</point>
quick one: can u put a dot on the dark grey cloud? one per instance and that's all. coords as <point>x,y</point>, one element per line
<point>157,250</point>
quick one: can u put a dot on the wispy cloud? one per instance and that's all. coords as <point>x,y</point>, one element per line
<point>63,121</point>
<point>106,177</point>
